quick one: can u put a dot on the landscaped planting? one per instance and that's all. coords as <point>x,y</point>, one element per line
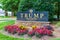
<point>43,31</point>
<point>21,30</point>
<point>12,29</point>
<point>31,33</point>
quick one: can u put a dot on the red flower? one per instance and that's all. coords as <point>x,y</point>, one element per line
<point>7,27</point>
<point>40,31</point>
<point>31,32</point>
<point>49,32</point>
<point>15,27</point>
<point>21,31</point>
<point>12,29</point>
<point>46,31</point>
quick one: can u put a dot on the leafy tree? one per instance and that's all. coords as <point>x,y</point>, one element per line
<point>10,5</point>
<point>40,5</point>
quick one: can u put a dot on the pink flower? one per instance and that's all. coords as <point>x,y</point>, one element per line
<point>20,31</point>
<point>7,27</point>
<point>31,32</point>
<point>40,31</point>
<point>49,32</point>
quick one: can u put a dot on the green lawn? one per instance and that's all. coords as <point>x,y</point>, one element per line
<point>4,16</point>
<point>58,24</point>
<point>55,39</point>
<point>7,16</point>
<point>6,23</point>
<point>4,37</point>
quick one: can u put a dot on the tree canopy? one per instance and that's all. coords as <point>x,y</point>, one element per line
<point>10,5</point>
<point>38,5</point>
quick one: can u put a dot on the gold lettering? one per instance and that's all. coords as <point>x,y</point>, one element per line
<point>21,15</point>
<point>26,15</point>
<point>41,15</point>
<point>29,15</point>
<point>36,16</point>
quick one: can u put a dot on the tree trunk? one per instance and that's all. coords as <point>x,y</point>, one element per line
<point>6,14</point>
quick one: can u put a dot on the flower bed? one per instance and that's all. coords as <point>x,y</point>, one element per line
<point>31,33</point>
<point>21,30</point>
<point>12,28</point>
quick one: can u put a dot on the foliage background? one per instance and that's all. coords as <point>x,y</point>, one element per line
<point>38,5</point>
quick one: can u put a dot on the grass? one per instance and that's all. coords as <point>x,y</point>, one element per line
<point>4,16</point>
<point>6,23</point>
<point>7,16</point>
<point>4,37</point>
<point>58,24</point>
<point>55,39</point>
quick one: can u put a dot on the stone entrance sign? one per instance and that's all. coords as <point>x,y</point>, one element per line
<point>32,17</point>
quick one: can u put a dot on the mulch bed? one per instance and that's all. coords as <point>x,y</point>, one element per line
<point>25,36</point>
<point>56,35</point>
